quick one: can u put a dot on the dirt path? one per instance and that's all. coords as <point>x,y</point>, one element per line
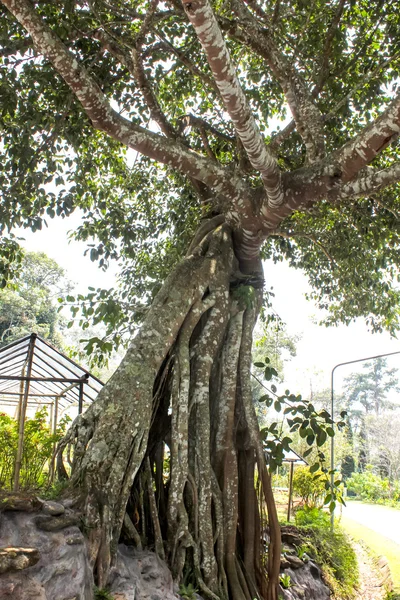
<point>370,582</point>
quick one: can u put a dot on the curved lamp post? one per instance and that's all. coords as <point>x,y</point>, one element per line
<point>349,362</point>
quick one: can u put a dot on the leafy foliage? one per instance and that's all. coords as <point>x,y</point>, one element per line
<point>370,387</point>
<point>39,443</point>
<point>372,487</point>
<point>331,549</point>
<point>315,427</point>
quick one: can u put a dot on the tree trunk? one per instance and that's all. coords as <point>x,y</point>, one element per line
<point>171,446</point>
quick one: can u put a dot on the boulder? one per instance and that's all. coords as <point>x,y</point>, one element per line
<point>47,523</point>
<point>53,509</point>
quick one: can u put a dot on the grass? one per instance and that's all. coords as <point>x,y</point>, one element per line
<point>379,545</point>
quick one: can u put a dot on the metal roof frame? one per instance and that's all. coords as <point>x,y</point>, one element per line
<point>31,369</point>
<point>52,373</point>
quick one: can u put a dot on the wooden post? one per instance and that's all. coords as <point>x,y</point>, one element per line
<point>22,412</point>
<point>51,405</point>
<point>80,405</point>
<point>55,414</point>
<point>290,490</point>
<point>21,394</point>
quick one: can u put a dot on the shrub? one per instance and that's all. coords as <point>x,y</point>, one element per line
<point>309,486</point>
<point>369,486</point>
<point>39,444</point>
<point>332,550</point>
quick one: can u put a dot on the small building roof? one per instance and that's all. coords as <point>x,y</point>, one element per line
<point>292,457</point>
<point>52,373</point>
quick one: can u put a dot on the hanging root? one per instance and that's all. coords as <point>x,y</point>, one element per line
<point>170,449</point>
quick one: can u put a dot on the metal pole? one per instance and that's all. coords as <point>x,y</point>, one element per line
<point>22,413</point>
<point>349,362</point>
<point>290,491</point>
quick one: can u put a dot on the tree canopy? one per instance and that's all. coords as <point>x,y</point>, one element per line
<point>334,66</point>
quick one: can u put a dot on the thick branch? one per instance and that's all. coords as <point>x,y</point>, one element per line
<point>205,24</point>
<point>368,184</point>
<point>104,118</point>
<point>305,113</point>
<point>362,149</point>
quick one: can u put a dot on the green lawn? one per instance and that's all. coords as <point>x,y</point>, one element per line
<point>380,545</point>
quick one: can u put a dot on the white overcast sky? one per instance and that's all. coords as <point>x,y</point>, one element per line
<point>319,349</point>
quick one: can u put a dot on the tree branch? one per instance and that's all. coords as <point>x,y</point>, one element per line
<point>362,149</point>
<point>307,236</point>
<point>305,113</point>
<point>104,118</point>
<point>198,123</point>
<point>324,70</point>
<point>368,184</point>
<point>149,97</point>
<point>207,29</point>
<point>187,62</point>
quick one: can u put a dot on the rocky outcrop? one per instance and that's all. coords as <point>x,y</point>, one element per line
<point>43,556</point>
<point>140,575</point>
<point>301,575</point>
<point>61,571</point>
<point>17,559</point>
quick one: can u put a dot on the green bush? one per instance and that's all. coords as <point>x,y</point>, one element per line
<point>309,486</point>
<point>332,550</point>
<point>369,486</point>
<point>39,444</point>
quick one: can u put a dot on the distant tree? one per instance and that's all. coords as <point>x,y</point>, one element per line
<point>31,305</point>
<point>370,388</point>
<point>384,444</point>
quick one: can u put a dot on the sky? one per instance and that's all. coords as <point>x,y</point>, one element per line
<point>319,348</point>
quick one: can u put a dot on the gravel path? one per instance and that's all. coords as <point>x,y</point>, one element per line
<point>370,583</point>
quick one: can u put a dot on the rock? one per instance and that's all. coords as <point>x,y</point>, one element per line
<point>306,584</point>
<point>285,564</point>
<point>47,523</point>
<point>16,559</point>
<point>75,538</point>
<point>294,561</point>
<point>293,539</point>
<point>140,574</point>
<point>19,501</point>
<point>53,508</point>
<point>63,571</point>
<point>385,575</point>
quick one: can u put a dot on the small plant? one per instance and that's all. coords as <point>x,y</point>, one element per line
<point>302,551</point>
<point>187,592</point>
<point>332,550</point>
<point>285,581</point>
<point>102,594</point>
